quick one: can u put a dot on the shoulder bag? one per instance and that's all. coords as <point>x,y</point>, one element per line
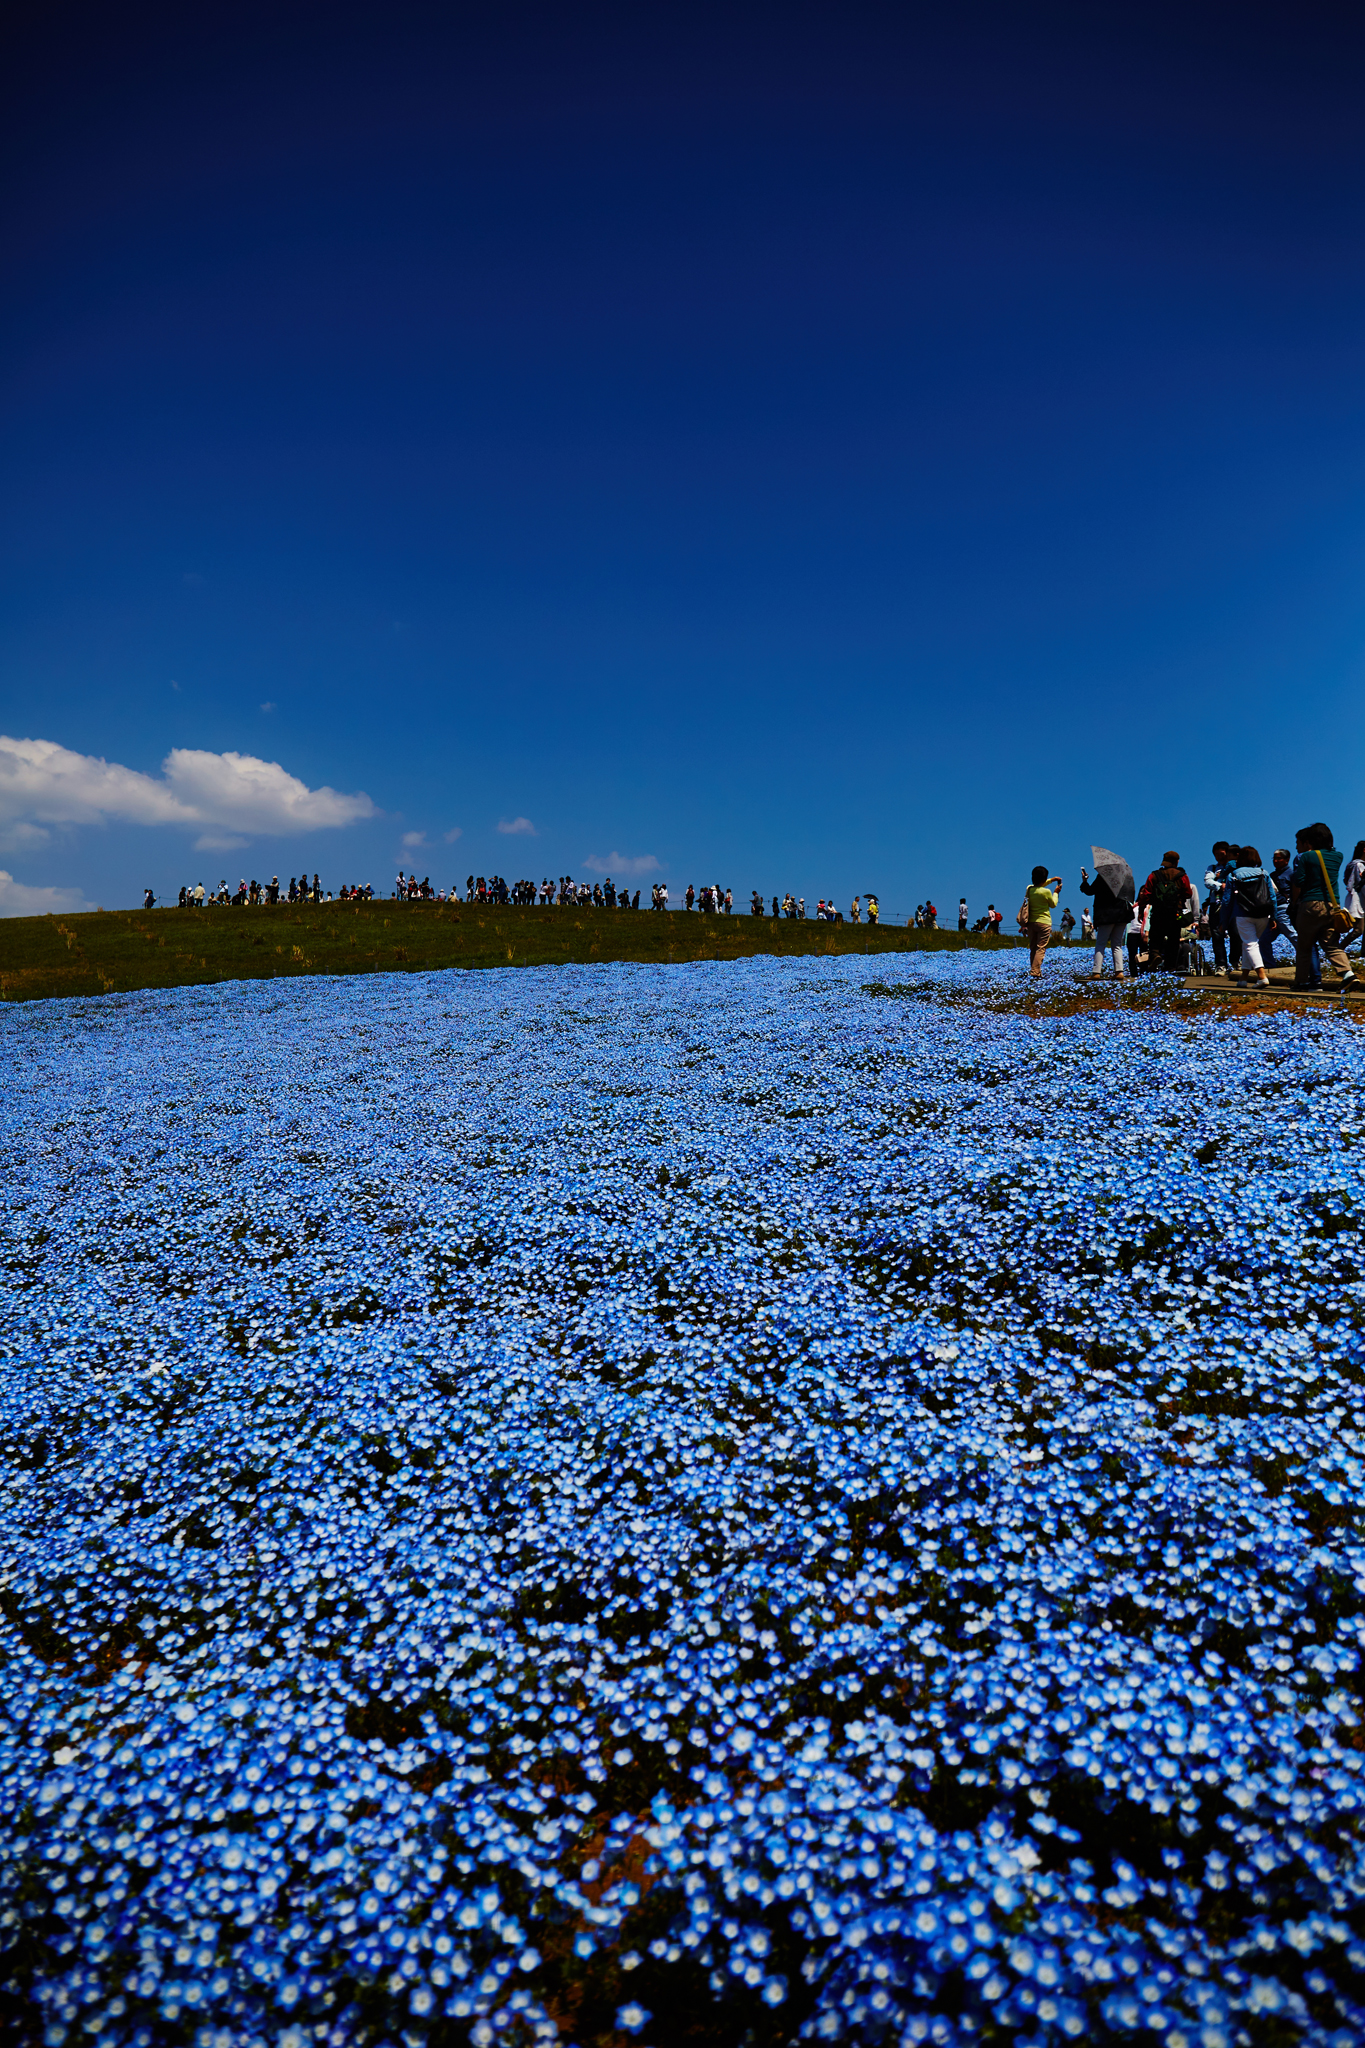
<point>1339,919</point>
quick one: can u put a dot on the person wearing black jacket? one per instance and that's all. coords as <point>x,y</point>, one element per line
<point>1112,917</point>
<point>1167,893</point>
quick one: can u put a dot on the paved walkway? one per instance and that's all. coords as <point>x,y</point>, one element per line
<point>1281,984</point>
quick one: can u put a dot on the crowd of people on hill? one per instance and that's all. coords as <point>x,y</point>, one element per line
<point>1312,899</point>
<point>710,900</point>
<point>496,889</point>
<point>249,894</point>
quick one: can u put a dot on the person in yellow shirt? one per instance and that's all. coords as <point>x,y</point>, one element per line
<point>1040,900</point>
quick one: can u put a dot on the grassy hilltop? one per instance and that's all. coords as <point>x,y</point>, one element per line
<point>107,951</point>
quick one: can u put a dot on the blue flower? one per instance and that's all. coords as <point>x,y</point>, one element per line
<point>496,1497</point>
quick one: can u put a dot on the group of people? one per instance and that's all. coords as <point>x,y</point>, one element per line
<point>525,894</point>
<point>407,889</point>
<point>567,893</point>
<point>992,919</point>
<point>825,912</point>
<point>710,899</point>
<point>1313,899</point>
<point>602,895</point>
<point>249,894</point>
<point>490,889</point>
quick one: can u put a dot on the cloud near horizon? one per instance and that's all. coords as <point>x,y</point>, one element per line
<point>622,864</point>
<point>42,783</point>
<point>517,825</point>
<point>17,899</point>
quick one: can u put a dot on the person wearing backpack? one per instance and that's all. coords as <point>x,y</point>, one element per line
<point>1253,906</point>
<point>1166,893</point>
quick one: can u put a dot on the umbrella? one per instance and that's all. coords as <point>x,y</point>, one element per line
<point>1115,872</point>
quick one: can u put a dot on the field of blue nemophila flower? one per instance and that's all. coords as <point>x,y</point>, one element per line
<point>716,1504</point>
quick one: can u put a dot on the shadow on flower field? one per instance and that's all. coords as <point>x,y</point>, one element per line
<point>733,1503</point>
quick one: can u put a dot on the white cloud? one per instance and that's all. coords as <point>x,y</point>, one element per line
<point>250,795</point>
<point>41,781</point>
<point>217,842</point>
<point>269,705</point>
<point>19,836</point>
<point>18,900</point>
<point>517,825</point>
<point>414,839</point>
<point>455,832</point>
<point>621,864</point>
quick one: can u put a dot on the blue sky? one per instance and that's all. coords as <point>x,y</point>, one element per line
<point>820,449</point>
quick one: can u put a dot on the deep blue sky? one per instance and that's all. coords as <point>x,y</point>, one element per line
<point>819,448</point>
